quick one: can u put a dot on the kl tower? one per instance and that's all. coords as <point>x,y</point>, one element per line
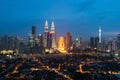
<point>100,34</point>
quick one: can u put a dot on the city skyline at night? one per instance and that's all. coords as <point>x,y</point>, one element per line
<point>59,39</point>
<point>81,18</point>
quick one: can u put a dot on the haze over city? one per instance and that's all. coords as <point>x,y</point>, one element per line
<point>80,17</point>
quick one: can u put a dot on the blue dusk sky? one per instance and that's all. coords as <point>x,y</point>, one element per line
<point>80,17</point>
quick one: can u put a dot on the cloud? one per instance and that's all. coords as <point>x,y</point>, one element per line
<point>111,33</point>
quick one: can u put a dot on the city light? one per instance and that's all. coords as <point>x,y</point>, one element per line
<point>67,40</point>
<point>61,45</point>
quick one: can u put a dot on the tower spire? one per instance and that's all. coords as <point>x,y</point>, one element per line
<point>46,27</point>
<point>52,27</point>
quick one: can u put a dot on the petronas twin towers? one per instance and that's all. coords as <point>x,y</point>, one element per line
<point>46,29</point>
<point>49,36</point>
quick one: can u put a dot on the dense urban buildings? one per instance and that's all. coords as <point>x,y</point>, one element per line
<point>59,39</point>
<point>44,57</point>
<point>48,42</point>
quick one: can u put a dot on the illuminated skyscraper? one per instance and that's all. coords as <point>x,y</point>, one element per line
<point>46,27</point>
<point>100,45</point>
<point>100,32</point>
<point>53,36</point>
<point>45,34</point>
<point>52,27</point>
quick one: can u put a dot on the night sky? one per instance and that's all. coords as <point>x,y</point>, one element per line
<point>80,17</point>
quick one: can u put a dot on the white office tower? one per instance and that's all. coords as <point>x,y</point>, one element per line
<point>53,35</point>
<point>100,32</point>
<point>45,33</point>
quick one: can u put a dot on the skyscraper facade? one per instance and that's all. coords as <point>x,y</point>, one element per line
<point>68,41</point>
<point>45,34</point>
<point>49,40</point>
<point>49,36</point>
<point>17,42</point>
<point>53,36</point>
<point>40,38</point>
<point>4,42</point>
<point>104,44</point>
<point>11,43</point>
<point>31,40</point>
<point>118,41</point>
<point>34,31</point>
<point>114,44</point>
<point>94,42</point>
